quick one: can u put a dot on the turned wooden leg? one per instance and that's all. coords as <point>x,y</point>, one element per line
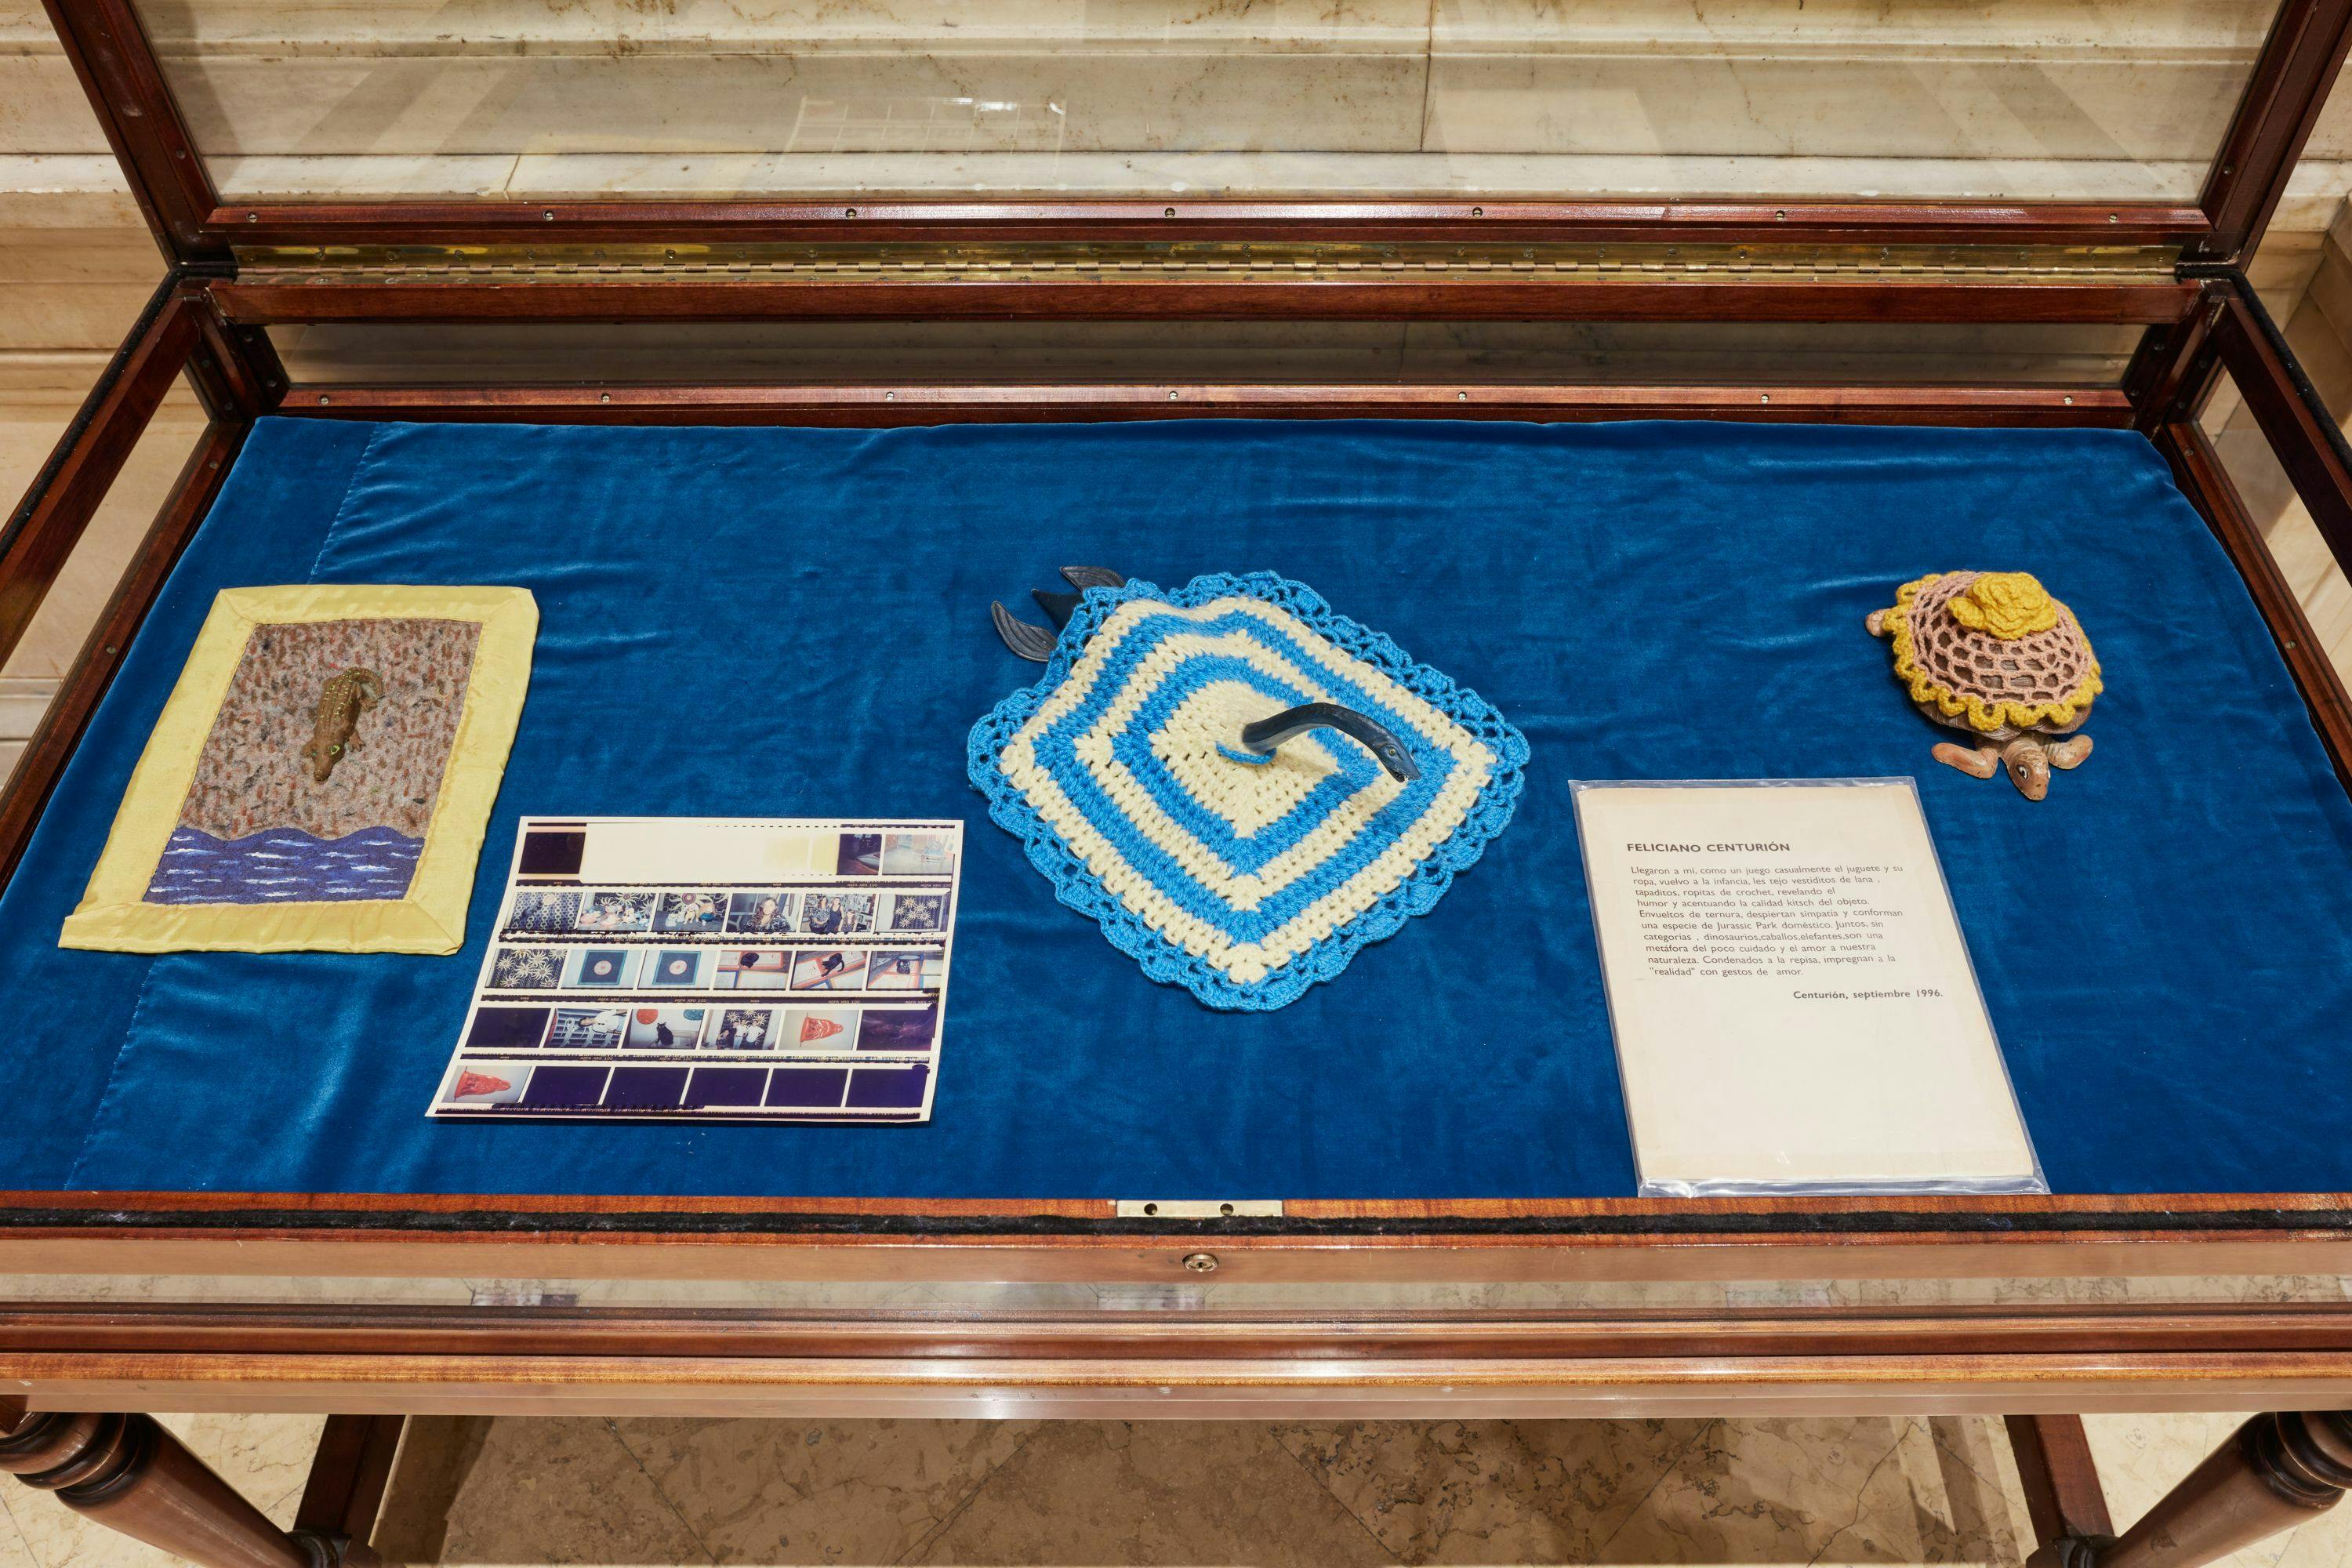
<point>2274,1472</point>
<point>128,1474</point>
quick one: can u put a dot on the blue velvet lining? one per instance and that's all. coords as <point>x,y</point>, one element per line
<point>794,621</point>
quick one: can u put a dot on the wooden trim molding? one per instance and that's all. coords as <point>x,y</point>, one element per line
<point>1193,218</point>
<point>1206,1332</point>
<point>1051,1240</point>
<point>349,1474</point>
<point>880,403</point>
<point>315,300</point>
<point>1132,1387</point>
<point>2063,1495</point>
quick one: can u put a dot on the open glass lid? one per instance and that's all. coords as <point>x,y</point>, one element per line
<point>531,100</point>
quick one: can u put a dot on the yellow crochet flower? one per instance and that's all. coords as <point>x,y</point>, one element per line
<point>2009,604</point>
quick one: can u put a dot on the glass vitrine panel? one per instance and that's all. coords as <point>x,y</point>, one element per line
<point>538,99</point>
<point>1378,353</point>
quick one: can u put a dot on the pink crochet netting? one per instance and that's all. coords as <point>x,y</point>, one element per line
<point>2041,667</point>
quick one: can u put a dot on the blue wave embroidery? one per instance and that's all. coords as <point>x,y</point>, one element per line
<point>284,865</point>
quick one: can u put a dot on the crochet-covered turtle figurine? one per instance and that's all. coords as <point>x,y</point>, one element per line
<point>1993,654</point>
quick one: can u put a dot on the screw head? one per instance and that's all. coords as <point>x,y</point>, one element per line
<point>1200,1262</point>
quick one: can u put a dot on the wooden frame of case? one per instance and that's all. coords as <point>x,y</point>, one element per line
<point>233,269</point>
<point>207,319</point>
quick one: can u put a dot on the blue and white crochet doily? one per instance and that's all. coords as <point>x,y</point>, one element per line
<point>1244,880</point>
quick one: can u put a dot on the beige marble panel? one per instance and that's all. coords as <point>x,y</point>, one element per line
<point>90,314</point>
<point>2012,29</point>
<point>2048,99</point>
<point>266,1458</point>
<point>1363,173</point>
<point>42,108</point>
<point>58,376</point>
<point>1152,1492</point>
<point>2314,195</point>
<point>399,176</point>
<point>856,1492</point>
<point>23,24</point>
<point>2110,105</point>
<point>1076,98</point>
<point>65,190</point>
<point>74,256</point>
<point>15,1552</point>
<point>704,26</point>
<point>28,431</point>
<point>531,1492</point>
<point>1828,1492</point>
<point>1825,1491</point>
<point>1486,1491</point>
<point>2100,81</point>
<point>2331,135</point>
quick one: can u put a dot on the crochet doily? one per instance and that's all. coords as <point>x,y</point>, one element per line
<point>1246,879</point>
<point>2044,678</point>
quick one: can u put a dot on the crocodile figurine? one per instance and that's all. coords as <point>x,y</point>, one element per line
<point>334,726</point>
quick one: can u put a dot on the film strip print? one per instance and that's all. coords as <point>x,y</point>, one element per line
<point>816,996</point>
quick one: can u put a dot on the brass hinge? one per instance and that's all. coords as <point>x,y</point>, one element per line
<point>1198,261</point>
<point>1200,1208</point>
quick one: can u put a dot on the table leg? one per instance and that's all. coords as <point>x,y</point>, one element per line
<point>128,1474</point>
<point>2273,1474</point>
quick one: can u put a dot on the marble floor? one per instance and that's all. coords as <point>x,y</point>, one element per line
<point>661,1492</point>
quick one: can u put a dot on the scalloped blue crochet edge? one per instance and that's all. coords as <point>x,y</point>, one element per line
<point>1076,884</point>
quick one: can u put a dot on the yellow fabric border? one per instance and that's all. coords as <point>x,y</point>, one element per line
<point>113,914</point>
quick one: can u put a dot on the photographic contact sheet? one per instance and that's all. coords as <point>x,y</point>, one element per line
<point>713,970</point>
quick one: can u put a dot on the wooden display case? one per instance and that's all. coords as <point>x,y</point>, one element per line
<point>1353,1312</point>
